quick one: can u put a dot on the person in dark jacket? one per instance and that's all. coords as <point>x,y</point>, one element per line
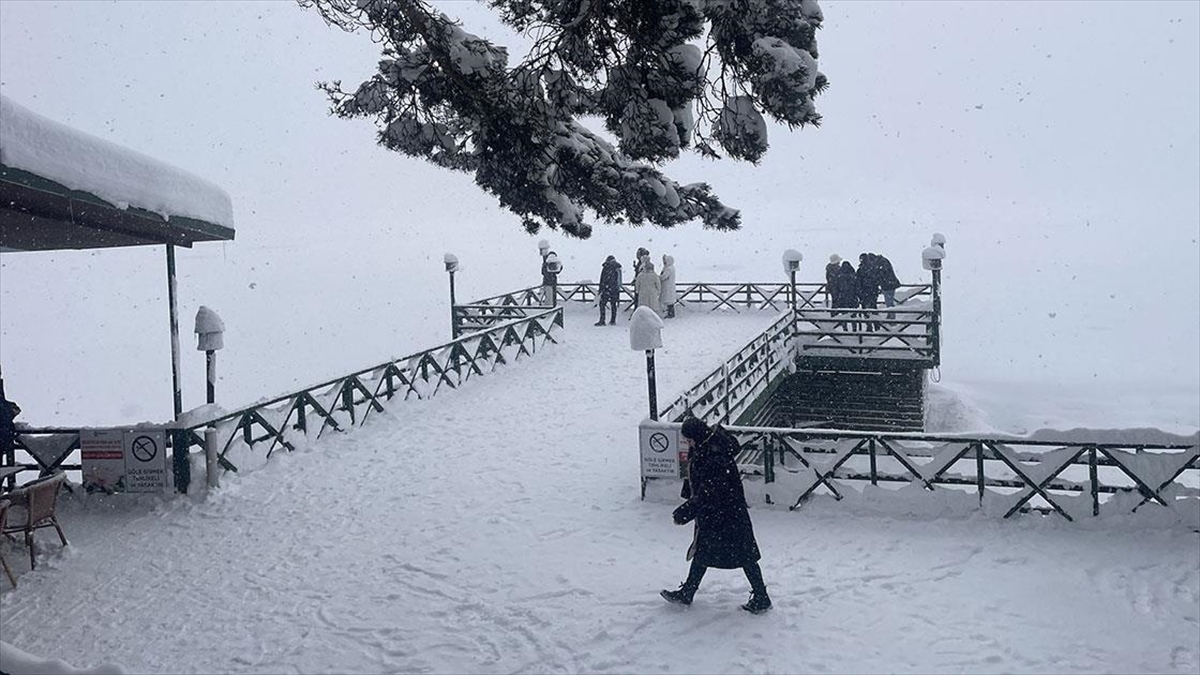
<point>888,283</point>
<point>831,270</point>
<point>724,535</point>
<point>843,286</point>
<point>843,289</point>
<point>551,268</point>
<point>610,288</point>
<point>868,281</point>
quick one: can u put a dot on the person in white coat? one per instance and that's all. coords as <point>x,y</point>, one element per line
<point>667,281</point>
<point>648,287</point>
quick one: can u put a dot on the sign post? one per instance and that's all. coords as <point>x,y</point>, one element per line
<point>125,460</point>
<point>662,453</point>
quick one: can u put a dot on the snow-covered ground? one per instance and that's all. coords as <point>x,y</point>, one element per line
<point>498,528</point>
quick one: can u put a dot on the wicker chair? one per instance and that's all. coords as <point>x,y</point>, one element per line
<point>4,504</point>
<point>39,499</point>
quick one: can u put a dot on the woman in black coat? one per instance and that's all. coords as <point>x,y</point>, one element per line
<point>724,536</point>
<point>610,288</point>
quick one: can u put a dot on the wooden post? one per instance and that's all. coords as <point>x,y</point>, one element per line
<point>1095,483</point>
<point>348,399</point>
<point>211,466</point>
<point>179,455</point>
<point>871,449</point>
<point>979,471</point>
<point>302,415</point>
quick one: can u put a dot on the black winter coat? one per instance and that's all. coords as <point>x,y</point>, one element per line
<point>868,286</point>
<point>886,275</point>
<point>724,535</point>
<point>610,281</point>
<point>843,290</point>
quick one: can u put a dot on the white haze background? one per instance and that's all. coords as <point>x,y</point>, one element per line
<point>1056,145</point>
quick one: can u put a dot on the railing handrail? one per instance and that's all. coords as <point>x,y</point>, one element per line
<point>347,393</point>
<point>1152,469</point>
<point>337,380</point>
<point>682,287</point>
<point>700,389</point>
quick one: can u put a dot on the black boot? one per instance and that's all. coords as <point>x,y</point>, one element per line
<point>683,596</point>
<point>759,602</point>
<point>601,321</point>
<point>687,589</point>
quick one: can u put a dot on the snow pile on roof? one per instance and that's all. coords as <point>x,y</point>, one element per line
<point>118,175</point>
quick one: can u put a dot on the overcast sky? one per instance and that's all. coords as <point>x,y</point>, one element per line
<point>1056,144</point>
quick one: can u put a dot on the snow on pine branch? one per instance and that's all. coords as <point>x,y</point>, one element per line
<point>450,97</point>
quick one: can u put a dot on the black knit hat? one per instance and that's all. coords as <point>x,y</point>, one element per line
<point>695,429</point>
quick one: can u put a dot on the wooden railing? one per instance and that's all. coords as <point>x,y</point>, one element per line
<point>335,405</point>
<point>732,388</point>
<point>1009,474</point>
<point>725,296</point>
<point>908,332</point>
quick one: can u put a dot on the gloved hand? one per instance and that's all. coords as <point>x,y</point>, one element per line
<point>680,515</point>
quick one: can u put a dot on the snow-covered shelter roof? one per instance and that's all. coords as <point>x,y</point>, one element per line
<point>61,188</point>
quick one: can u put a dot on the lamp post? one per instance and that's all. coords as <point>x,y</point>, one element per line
<point>210,331</point>
<point>210,336</point>
<point>931,259</point>
<point>451,261</point>
<point>645,333</point>
<point>791,265</point>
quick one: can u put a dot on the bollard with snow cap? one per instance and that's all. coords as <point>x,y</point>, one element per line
<point>210,336</point>
<point>451,261</point>
<point>210,331</point>
<point>931,259</point>
<point>645,333</point>
<point>791,265</point>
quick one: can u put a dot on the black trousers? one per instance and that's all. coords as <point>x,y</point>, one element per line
<point>753,575</point>
<point>613,304</point>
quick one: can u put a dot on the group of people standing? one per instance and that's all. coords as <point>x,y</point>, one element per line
<point>851,288</point>
<point>652,289</point>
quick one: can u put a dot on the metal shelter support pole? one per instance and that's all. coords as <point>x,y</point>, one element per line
<point>650,383</point>
<point>792,275</point>
<point>453,320</point>
<point>173,301</point>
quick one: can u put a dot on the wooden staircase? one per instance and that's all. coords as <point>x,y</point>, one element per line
<point>857,400</point>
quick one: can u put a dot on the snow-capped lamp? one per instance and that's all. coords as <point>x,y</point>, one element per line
<point>451,261</point>
<point>939,240</point>
<point>209,330</point>
<point>543,247</point>
<point>791,265</point>
<point>645,333</point>
<point>931,257</point>
<point>210,336</point>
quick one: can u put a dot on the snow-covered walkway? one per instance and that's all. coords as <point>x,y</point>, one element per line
<point>499,529</point>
